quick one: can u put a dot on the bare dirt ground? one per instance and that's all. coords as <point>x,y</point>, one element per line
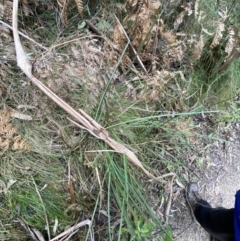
<point>218,181</point>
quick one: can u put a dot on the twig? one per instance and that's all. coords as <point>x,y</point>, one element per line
<point>155,44</point>
<point>169,202</point>
<point>167,175</point>
<point>101,35</point>
<point>25,36</point>
<point>94,28</point>
<point>163,176</point>
<point>133,49</point>
<point>74,228</point>
<point>82,127</point>
<point>45,213</point>
<point>70,185</point>
<point>100,187</point>
<point>60,45</point>
<point>100,151</point>
<point>33,232</point>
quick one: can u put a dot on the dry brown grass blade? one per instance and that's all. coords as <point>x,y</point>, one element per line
<point>37,235</point>
<point>169,201</point>
<point>64,13</point>
<point>33,232</point>
<point>103,134</point>
<point>218,35</point>
<point>231,42</point>
<point>196,8</point>
<point>133,49</point>
<point>79,4</point>
<point>131,156</point>
<point>25,36</point>
<point>92,126</point>
<point>197,50</point>
<point>69,231</point>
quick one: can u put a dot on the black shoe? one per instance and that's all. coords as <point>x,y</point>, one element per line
<point>192,197</point>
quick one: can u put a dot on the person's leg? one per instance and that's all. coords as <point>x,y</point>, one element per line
<point>217,222</point>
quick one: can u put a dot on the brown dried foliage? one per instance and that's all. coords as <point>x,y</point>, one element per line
<point>26,6</point>
<point>8,134</point>
<point>168,50</point>
<point>87,64</point>
<point>141,22</point>
<point>187,10</point>
<point>145,29</point>
<point>65,7</point>
<point>153,88</point>
<point>64,13</point>
<point>218,35</point>
<point>79,4</point>
<point>232,42</point>
<point>6,11</point>
<point>197,50</point>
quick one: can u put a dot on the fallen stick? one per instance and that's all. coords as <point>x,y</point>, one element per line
<point>74,228</point>
<point>24,35</point>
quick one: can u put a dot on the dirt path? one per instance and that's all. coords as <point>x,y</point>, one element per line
<point>219,181</point>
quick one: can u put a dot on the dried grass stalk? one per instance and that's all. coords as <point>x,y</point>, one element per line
<point>218,35</point>
<point>231,43</point>
<point>79,4</point>
<point>64,13</point>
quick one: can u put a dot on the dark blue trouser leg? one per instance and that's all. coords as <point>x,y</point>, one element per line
<point>218,222</point>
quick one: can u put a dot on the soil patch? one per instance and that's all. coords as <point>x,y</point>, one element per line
<point>218,181</point>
